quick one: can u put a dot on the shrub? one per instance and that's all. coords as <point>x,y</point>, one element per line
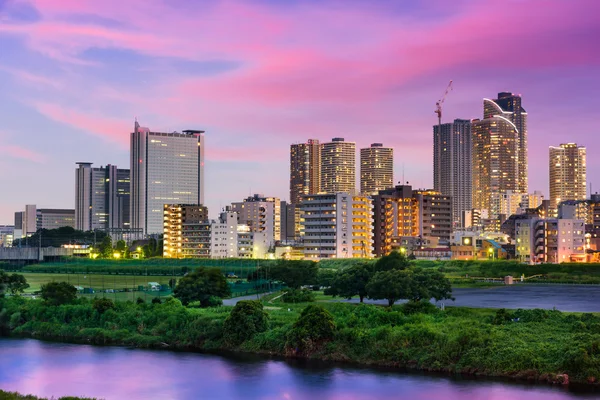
<point>502,316</point>
<point>298,296</point>
<point>139,300</point>
<point>156,300</point>
<point>418,307</point>
<point>213,301</point>
<point>102,305</point>
<point>314,327</point>
<point>57,293</point>
<point>245,320</point>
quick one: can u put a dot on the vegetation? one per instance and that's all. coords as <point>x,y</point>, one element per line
<point>15,284</point>
<point>295,273</point>
<point>351,281</point>
<point>298,296</point>
<point>57,293</point>
<point>529,344</point>
<point>391,285</point>
<point>60,236</point>
<point>17,396</point>
<point>202,285</point>
<point>246,319</point>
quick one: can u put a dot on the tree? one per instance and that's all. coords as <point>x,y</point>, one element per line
<point>172,283</point>
<point>351,281</point>
<point>121,246</point>
<point>394,260</point>
<point>245,320</point>
<point>314,327</point>
<point>57,293</point>
<point>391,285</point>
<point>16,284</point>
<point>295,273</point>
<point>200,285</point>
<point>3,283</point>
<point>105,248</point>
<point>431,284</point>
<point>103,305</point>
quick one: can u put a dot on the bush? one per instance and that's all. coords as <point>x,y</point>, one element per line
<point>245,320</point>
<point>418,307</point>
<point>139,300</point>
<point>102,305</point>
<point>156,300</point>
<point>298,296</point>
<point>213,301</point>
<point>57,293</point>
<point>314,327</point>
<point>502,316</point>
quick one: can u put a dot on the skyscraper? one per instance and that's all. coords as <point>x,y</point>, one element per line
<point>495,163</point>
<point>101,197</point>
<point>338,166</point>
<point>305,169</point>
<point>567,173</point>
<point>166,168</point>
<point>376,168</point>
<point>510,106</point>
<point>452,172</point>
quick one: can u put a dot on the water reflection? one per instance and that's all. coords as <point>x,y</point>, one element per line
<point>54,369</point>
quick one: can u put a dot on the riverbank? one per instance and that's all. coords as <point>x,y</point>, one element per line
<point>534,345</point>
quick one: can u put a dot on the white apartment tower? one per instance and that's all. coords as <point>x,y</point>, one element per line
<point>166,168</point>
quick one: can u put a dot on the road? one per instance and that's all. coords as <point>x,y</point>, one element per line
<point>574,298</point>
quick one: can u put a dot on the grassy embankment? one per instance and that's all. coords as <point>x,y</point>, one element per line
<point>542,345</point>
<point>17,396</point>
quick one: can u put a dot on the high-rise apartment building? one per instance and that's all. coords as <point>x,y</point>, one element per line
<point>567,173</point>
<point>452,171</point>
<point>338,166</point>
<point>262,214</point>
<point>376,168</point>
<point>101,197</point>
<point>495,158</point>
<point>54,218</point>
<point>305,169</point>
<point>510,105</point>
<point>166,168</point>
<point>186,231</point>
<point>337,226</point>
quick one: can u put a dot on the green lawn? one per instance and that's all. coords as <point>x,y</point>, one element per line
<point>97,282</point>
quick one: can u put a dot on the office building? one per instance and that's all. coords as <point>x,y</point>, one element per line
<point>495,162</point>
<point>336,226</point>
<point>376,168</point>
<point>262,214</point>
<point>166,168</point>
<point>54,218</point>
<point>186,231</point>
<point>101,197</point>
<point>6,235</point>
<point>19,231</point>
<point>452,171</point>
<point>338,166</point>
<point>567,173</point>
<point>305,169</point>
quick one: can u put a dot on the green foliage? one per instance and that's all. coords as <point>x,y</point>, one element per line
<point>58,237</point>
<point>418,307</point>
<point>430,284</point>
<point>200,285</point>
<point>298,296</point>
<point>502,316</point>
<point>314,327</point>
<point>351,281</point>
<point>14,283</point>
<point>57,293</point>
<point>17,396</point>
<point>105,248</point>
<point>392,285</point>
<point>156,300</point>
<point>102,305</point>
<point>394,260</point>
<point>325,277</point>
<point>245,320</point>
<point>295,273</point>
<point>139,300</point>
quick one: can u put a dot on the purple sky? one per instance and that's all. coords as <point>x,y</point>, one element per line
<point>259,75</point>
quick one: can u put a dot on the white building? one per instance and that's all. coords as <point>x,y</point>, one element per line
<point>549,240</point>
<point>232,240</point>
<point>166,168</point>
<point>336,226</point>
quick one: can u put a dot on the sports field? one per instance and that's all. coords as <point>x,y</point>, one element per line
<point>97,282</point>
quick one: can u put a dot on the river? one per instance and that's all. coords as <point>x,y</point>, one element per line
<point>57,369</point>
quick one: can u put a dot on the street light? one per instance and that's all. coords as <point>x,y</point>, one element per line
<point>491,251</point>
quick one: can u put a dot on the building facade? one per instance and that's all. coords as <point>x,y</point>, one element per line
<point>101,197</point>
<point>567,173</point>
<point>495,162</point>
<point>166,168</point>
<point>6,235</point>
<point>54,218</point>
<point>376,168</point>
<point>305,169</point>
<point>262,214</point>
<point>336,226</point>
<point>186,231</point>
<point>452,168</point>
<point>338,166</point>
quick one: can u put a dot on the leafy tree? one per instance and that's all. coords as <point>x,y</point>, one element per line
<point>325,277</point>
<point>58,237</point>
<point>391,285</point>
<point>394,260</point>
<point>16,284</point>
<point>351,281</point>
<point>156,300</point>
<point>431,284</point>
<point>3,278</point>
<point>172,283</point>
<point>298,296</point>
<point>314,327</point>
<point>295,273</point>
<point>105,248</point>
<point>200,285</point>
<point>139,300</point>
<point>57,293</point>
<point>121,246</point>
<point>501,317</point>
<point>245,320</point>
<point>102,305</point>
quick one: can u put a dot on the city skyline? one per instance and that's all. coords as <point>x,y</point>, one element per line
<point>256,91</point>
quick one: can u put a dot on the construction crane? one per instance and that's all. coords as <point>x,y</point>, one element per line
<point>438,110</point>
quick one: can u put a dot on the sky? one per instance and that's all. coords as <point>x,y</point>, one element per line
<point>259,75</point>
